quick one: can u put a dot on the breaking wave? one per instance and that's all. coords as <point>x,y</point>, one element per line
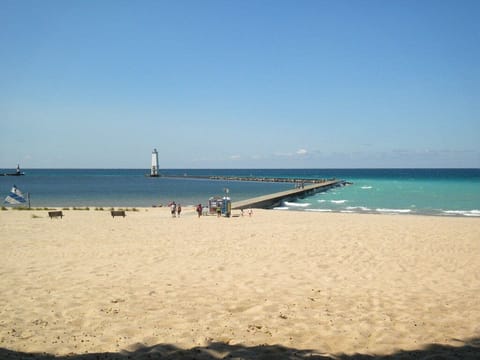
<point>363,208</point>
<point>293,204</point>
<point>462,212</point>
<point>400,211</point>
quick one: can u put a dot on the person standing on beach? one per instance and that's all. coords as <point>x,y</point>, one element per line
<point>179,210</point>
<point>199,210</point>
<point>173,208</point>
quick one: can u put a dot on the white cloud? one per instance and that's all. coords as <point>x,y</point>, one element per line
<point>299,152</point>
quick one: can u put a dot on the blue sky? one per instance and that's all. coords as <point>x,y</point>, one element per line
<point>240,84</point>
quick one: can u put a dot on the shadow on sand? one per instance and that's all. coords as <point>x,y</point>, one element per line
<point>470,350</point>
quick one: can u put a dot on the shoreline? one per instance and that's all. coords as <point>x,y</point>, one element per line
<point>457,214</point>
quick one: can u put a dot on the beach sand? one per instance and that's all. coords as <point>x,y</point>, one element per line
<point>279,284</point>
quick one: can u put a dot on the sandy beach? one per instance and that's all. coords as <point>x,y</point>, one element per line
<point>274,285</point>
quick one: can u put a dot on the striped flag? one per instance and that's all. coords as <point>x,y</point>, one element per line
<point>15,197</point>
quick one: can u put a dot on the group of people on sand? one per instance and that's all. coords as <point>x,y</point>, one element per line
<point>175,209</point>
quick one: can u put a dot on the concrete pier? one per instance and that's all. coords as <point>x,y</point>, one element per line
<point>305,186</point>
<point>267,201</point>
<point>249,178</point>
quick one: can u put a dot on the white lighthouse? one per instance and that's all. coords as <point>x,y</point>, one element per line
<point>154,169</point>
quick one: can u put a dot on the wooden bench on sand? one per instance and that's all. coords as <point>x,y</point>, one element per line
<point>118,213</point>
<point>55,214</point>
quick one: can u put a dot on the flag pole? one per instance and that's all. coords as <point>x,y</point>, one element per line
<point>28,197</point>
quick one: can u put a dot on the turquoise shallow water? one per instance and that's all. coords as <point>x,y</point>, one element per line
<point>448,192</point>
<point>402,196</point>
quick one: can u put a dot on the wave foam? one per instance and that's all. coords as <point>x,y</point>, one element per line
<point>338,201</point>
<point>462,212</point>
<point>287,203</point>
<point>363,208</point>
<point>366,187</point>
<point>402,211</point>
<point>319,210</point>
